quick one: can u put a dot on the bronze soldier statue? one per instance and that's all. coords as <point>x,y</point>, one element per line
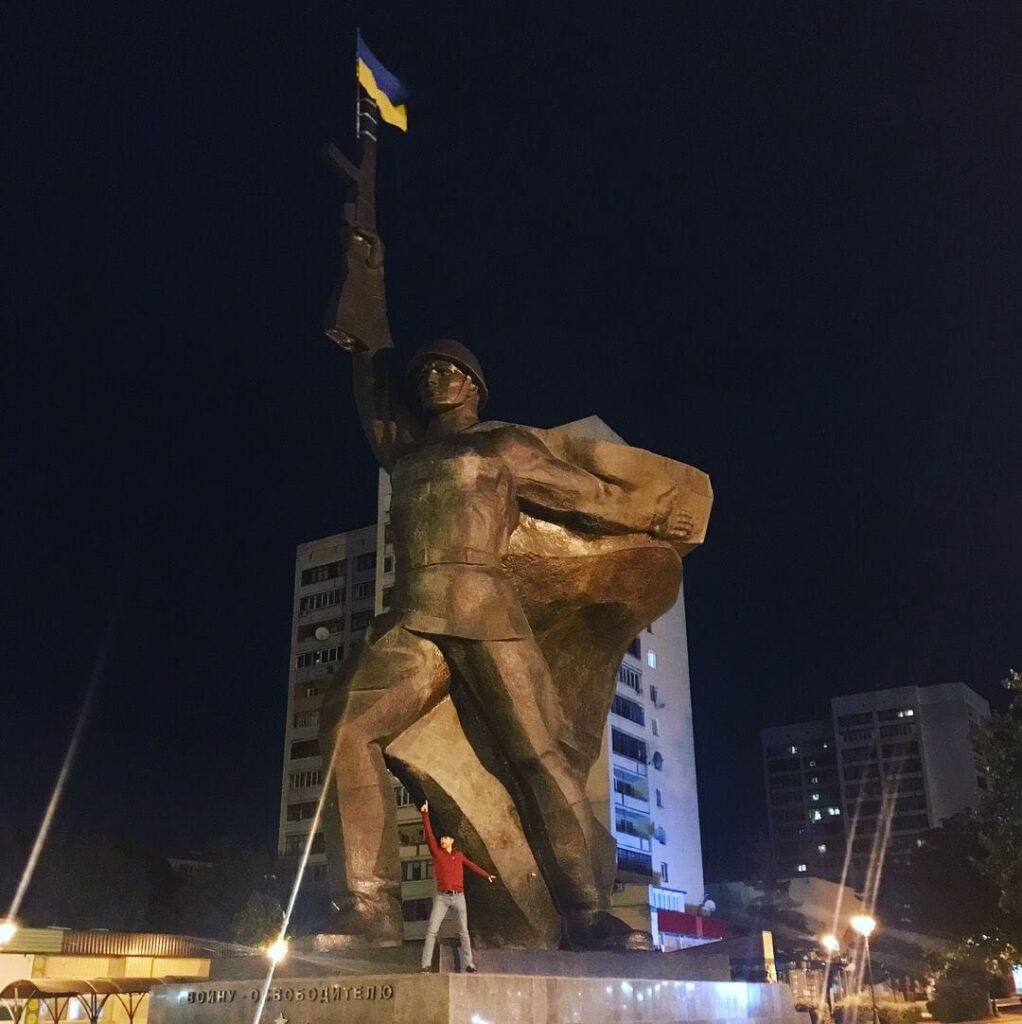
<point>460,487</point>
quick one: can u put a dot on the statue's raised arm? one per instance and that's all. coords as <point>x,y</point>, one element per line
<point>357,315</point>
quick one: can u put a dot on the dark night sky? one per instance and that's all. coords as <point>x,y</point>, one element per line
<point>780,242</point>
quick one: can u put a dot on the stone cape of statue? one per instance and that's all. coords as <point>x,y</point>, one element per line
<point>525,562</point>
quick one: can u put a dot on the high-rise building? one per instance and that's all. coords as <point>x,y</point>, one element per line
<point>643,785</point>
<point>335,593</point>
<point>887,766</point>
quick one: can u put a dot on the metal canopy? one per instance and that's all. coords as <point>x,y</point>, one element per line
<point>92,995</point>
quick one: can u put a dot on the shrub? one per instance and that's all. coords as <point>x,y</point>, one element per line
<point>900,1013</point>
<point>961,992</point>
<point>859,1011</point>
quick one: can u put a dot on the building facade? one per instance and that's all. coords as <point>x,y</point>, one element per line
<point>886,767</point>
<point>643,785</point>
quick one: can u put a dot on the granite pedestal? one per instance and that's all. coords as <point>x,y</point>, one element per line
<point>403,997</point>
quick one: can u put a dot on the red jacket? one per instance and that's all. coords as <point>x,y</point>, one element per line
<point>448,868</point>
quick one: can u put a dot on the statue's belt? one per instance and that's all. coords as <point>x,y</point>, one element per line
<point>423,556</point>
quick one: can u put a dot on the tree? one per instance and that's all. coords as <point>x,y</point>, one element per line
<point>259,920</point>
<point>218,900</point>
<point>1000,745</point>
<point>914,893</point>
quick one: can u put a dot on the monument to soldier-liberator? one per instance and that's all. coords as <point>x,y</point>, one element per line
<point>526,561</point>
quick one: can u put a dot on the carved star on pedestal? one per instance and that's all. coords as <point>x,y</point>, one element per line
<point>280,1019</point>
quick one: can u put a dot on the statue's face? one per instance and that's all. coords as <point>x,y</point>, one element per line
<point>447,842</point>
<point>442,385</point>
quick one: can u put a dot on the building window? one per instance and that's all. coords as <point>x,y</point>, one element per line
<point>857,719</point>
<point>312,629</point>
<point>654,696</point>
<point>319,573</point>
<point>802,868</point>
<point>833,811</point>
<point>416,870</point>
<point>326,599</point>
<point>388,563</point>
<point>634,862</point>
<point>629,677</point>
<point>305,719</point>
<point>416,910</point>
<point>628,709</point>
<point>664,877</point>
<point>630,784</point>
<point>304,748</point>
<point>302,780</point>
<point>635,649</point>
<point>402,797</point>
<point>821,848</point>
<point>655,727</point>
<point>793,750</point>
<point>323,657</point>
<point>628,746</point>
<point>658,760</point>
<point>301,812</point>
<point>815,797</point>
<point>360,591</point>
<point>632,824</point>
<point>388,596</point>
<point>359,620</point>
<point>296,844</point>
<point>318,872</point>
<point>365,562</point>
<point>651,659</point>
<point>893,713</point>
<point>310,691</point>
<point>659,798</point>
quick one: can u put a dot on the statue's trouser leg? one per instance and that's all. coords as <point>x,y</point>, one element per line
<point>515,691</point>
<point>395,681</point>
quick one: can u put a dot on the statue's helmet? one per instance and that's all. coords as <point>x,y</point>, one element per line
<point>451,352</point>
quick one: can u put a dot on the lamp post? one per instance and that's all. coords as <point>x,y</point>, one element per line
<point>831,945</point>
<point>865,925</point>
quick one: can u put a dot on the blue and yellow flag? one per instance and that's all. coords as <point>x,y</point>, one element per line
<point>386,89</point>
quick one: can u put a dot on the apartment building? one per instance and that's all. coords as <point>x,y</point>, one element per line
<point>886,767</point>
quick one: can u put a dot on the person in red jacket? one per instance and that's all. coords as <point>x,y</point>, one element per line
<point>449,873</point>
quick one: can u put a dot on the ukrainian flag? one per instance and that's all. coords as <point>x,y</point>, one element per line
<point>383,87</point>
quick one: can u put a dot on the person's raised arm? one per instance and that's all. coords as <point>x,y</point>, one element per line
<point>577,497</point>
<point>434,846</point>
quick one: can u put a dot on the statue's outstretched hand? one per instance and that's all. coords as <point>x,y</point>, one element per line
<point>676,524</point>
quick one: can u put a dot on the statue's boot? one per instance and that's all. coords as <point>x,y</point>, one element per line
<point>363,922</point>
<point>599,929</point>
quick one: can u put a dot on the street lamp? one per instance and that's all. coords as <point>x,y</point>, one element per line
<point>8,929</point>
<point>865,925</point>
<point>276,951</point>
